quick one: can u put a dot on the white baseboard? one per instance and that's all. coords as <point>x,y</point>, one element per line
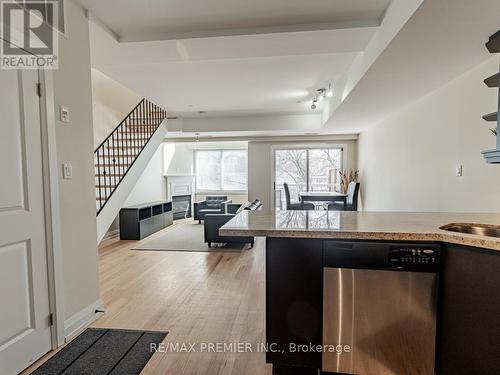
<point>82,319</point>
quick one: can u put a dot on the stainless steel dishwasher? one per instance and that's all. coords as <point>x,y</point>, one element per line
<point>380,307</point>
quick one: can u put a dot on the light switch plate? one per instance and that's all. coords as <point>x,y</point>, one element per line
<point>460,170</point>
<point>67,171</point>
<point>63,114</point>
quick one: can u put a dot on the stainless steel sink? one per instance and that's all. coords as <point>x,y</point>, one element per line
<point>478,229</point>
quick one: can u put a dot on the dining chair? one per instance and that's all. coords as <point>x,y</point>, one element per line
<point>352,199</point>
<point>296,206</point>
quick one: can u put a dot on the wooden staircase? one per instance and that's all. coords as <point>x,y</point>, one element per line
<point>118,152</point>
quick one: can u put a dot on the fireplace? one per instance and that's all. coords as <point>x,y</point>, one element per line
<point>180,192</point>
<point>181,206</point>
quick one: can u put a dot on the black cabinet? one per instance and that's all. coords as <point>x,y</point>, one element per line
<point>294,301</point>
<point>469,312</point>
<point>138,222</point>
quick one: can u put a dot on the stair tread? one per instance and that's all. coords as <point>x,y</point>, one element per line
<point>493,81</point>
<point>110,165</point>
<point>118,156</point>
<point>122,147</point>
<point>493,43</point>
<point>491,116</point>
<point>133,132</point>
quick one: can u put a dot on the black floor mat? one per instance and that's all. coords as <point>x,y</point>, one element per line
<point>100,351</point>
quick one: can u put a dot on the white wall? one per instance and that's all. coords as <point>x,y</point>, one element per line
<point>408,161</point>
<point>150,187</point>
<point>72,88</point>
<point>260,161</point>
<point>111,103</point>
<point>178,159</point>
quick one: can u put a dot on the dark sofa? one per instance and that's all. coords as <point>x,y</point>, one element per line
<point>211,205</point>
<point>213,222</point>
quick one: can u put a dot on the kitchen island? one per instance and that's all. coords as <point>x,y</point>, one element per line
<point>299,245</point>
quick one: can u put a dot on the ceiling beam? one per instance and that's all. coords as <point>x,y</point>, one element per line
<point>247,31</point>
<point>271,138</point>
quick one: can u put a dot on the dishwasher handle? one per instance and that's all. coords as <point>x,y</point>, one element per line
<point>360,267</point>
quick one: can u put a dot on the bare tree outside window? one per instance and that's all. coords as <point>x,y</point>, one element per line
<point>306,170</point>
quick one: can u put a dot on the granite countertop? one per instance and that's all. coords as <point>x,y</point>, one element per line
<point>397,226</point>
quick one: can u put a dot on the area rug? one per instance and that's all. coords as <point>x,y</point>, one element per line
<point>186,237</point>
<point>99,351</point>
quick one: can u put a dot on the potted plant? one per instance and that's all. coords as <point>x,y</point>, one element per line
<point>346,177</point>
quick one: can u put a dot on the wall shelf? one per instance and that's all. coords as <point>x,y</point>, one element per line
<point>490,117</point>
<point>493,156</point>
<point>493,81</point>
<point>493,43</point>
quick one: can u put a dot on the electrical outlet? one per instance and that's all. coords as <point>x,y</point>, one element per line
<point>67,171</point>
<point>63,114</point>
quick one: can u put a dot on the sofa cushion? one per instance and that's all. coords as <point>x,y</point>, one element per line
<point>215,202</point>
<point>207,211</point>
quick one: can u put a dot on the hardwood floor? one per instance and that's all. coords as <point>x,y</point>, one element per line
<point>197,297</point>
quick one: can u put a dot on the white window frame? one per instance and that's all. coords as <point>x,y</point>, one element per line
<point>218,191</point>
<point>301,146</point>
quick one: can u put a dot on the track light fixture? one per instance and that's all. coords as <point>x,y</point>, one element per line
<point>321,94</point>
<point>313,105</point>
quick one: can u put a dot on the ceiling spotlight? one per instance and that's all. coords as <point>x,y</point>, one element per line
<point>313,105</point>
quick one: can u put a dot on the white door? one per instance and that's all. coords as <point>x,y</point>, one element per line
<point>24,299</point>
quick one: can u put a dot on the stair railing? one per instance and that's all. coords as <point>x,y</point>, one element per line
<point>118,152</point>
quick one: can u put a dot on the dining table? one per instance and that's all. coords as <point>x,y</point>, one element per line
<point>323,196</point>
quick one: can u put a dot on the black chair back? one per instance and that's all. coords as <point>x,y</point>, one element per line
<point>352,196</point>
<point>287,196</point>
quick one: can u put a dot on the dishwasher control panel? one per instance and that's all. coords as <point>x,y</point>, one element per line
<point>414,256</point>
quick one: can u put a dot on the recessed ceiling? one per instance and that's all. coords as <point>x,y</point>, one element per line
<point>271,73</point>
<point>132,19</point>
<point>261,85</point>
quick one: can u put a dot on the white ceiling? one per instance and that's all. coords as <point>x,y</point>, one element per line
<point>266,84</point>
<point>134,20</point>
<point>442,40</point>
<point>244,74</point>
<point>241,58</point>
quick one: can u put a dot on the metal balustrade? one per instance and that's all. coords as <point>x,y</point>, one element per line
<point>117,153</point>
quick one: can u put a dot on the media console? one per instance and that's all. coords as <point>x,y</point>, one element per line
<point>140,221</point>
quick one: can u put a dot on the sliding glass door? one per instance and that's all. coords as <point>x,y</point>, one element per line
<point>305,169</point>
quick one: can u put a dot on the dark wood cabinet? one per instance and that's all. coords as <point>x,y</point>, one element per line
<point>468,316</point>
<point>138,222</point>
<point>294,301</point>
<point>469,312</point>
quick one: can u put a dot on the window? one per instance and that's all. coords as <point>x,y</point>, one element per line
<point>306,169</point>
<point>221,170</point>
